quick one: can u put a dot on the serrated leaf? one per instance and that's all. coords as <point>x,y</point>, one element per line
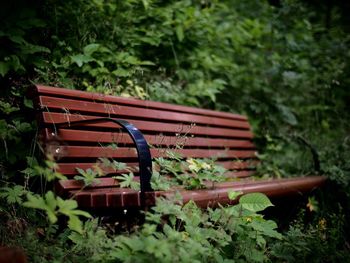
<point>75,224</point>
<point>66,206</point>
<point>255,202</point>
<point>81,213</point>
<point>47,205</point>
<point>35,202</point>
<point>51,200</point>
<point>13,195</point>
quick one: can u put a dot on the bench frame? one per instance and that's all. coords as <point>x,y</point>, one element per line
<point>143,152</point>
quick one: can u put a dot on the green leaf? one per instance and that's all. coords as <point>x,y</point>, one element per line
<point>287,115</point>
<point>75,224</point>
<point>127,181</point>
<point>32,49</point>
<point>88,176</point>
<point>66,206</point>
<point>81,59</point>
<point>120,72</point>
<point>255,202</point>
<point>4,68</point>
<point>266,227</point>
<point>28,103</point>
<point>232,195</point>
<point>51,200</point>
<point>179,33</point>
<point>13,195</point>
<point>91,48</point>
<point>49,205</point>
<point>145,4</point>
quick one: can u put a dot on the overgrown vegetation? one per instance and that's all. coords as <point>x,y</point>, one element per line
<point>285,65</point>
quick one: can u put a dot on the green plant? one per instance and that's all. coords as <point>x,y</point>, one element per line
<point>88,177</point>
<point>47,172</point>
<point>127,181</point>
<point>55,206</point>
<point>189,234</point>
<point>285,65</point>
<point>202,172</point>
<point>191,173</point>
<point>319,241</point>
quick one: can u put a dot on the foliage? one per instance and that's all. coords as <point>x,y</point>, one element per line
<point>88,177</point>
<point>54,206</point>
<point>321,241</point>
<point>283,63</point>
<point>190,174</point>
<point>189,234</point>
<point>127,180</point>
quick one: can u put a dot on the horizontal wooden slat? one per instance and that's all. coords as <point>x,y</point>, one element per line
<point>272,188</point>
<point>104,182</point>
<point>52,91</point>
<point>123,138</point>
<point>148,126</point>
<point>238,165</point>
<point>103,197</point>
<point>70,168</point>
<point>121,152</point>
<point>118,111</point>
<point>240,174</point>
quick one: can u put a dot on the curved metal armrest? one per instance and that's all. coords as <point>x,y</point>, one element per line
<point>143,152</point>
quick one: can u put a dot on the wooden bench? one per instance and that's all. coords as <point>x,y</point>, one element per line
<point>76,126</point>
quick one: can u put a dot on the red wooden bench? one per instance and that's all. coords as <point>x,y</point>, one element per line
<point>75,125</point>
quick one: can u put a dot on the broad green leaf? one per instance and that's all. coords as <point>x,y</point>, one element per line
<point>146,63</point>
<point>4,68</point>
<point>81,59</point>
<point>287,115</point>
<point>266,227</point>
<point>91,48</point>
<point>255,202</point>
<point>120,72</point>
<point>17,39</point>
<point>28,103</point>
<point>32,49</point>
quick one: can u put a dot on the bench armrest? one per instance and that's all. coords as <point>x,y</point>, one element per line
<point>143,152</point>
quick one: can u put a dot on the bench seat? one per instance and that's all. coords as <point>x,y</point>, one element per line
<point>79,127</point>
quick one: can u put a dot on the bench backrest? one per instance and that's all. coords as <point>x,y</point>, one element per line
<point>192,132</point>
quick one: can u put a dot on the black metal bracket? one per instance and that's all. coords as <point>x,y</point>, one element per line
<point>143,152</point>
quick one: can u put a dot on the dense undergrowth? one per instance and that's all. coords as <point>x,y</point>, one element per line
<point>285,65</point>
